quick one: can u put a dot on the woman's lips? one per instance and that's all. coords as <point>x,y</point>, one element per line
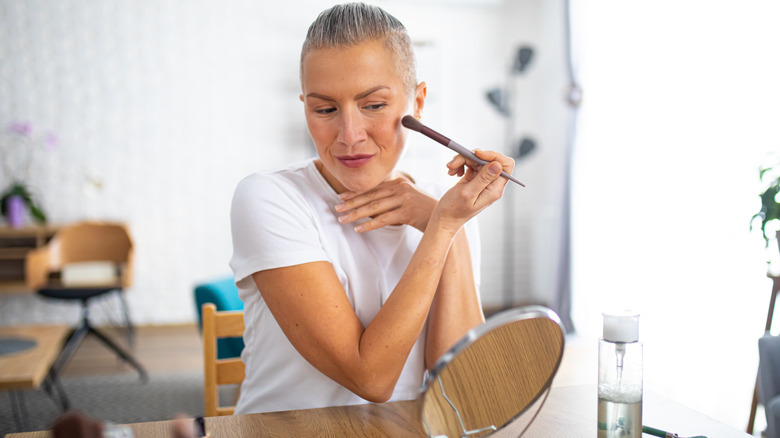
<point>353,161</point>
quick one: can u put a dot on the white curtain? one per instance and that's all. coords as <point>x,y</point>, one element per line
<point>563,297</point>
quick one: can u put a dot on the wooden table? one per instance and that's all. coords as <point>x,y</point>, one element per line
<point>569,412</point>
<point>29,368</point>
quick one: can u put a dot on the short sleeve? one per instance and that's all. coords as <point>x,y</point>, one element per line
<point>272,226</point>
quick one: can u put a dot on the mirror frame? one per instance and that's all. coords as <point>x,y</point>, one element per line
<point>498,320</point>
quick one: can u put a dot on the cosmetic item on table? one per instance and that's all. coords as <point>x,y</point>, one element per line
<point>415,125</point>
<point>111,430</point>
<point>200,427</point>
<point>620,377</point>
<point>664,434</point>
<point>75,424</point>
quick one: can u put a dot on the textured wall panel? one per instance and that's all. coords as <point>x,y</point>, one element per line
<point>161,107</point>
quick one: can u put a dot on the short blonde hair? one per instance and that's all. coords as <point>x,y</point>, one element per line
<point>351,24</point>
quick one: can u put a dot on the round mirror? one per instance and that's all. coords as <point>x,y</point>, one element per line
<point>494,374</point>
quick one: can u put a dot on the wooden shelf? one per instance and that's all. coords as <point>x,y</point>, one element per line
<point>13,253</point>
<point>15,243</point>
<point>7,287</point>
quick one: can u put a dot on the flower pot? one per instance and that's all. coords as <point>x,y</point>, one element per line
<point>14,211</point>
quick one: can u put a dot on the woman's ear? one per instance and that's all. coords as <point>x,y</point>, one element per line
<point>419,99</point>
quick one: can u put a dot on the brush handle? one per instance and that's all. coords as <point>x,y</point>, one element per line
<point>460,149</point>
<point>472,156</point>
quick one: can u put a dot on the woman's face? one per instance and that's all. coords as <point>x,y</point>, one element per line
<point>354,100</point>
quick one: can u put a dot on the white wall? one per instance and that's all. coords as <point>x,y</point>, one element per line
<point>160,108</point>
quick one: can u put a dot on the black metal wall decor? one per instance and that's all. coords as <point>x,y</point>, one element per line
<point>502,100</point>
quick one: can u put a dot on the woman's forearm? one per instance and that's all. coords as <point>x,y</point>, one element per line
<point>455,308</point>
<point>310,306</point>
<point>386,342</point>
<point>309,303</point>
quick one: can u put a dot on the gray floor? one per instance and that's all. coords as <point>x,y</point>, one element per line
<point>115,398</point>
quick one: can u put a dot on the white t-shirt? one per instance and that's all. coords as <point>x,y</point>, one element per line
<point>287,218</point>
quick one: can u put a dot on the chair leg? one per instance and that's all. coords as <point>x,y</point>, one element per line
<point>51,384</point>
<point>19,409</point>
<point>71,345</point>
<point>129,328</point>
<point>75,339</point>
<point>121,352</point>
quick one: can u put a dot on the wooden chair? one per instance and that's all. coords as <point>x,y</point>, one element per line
<point>220,325</point>
<point>492,376</point>
<point>81,262</point>
<point>224,294</point>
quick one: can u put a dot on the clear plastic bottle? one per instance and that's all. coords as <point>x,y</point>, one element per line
<point>620,377</point>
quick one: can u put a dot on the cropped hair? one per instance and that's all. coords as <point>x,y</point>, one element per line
<point>350,24</point>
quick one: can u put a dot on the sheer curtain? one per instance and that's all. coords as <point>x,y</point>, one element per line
<point>573,99</point>
<point>680,107</point>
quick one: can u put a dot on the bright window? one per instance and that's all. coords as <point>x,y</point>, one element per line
<point>681,106</point>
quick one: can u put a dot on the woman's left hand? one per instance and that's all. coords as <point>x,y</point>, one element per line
<point>395,202</point>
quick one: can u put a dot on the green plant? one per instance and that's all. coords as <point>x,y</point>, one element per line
<point>20,190</point>
<point>770,205</point>
<point>20,144</point>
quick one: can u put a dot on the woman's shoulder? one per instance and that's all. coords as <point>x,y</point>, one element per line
<point>290,194</point>
<point>289,179</point>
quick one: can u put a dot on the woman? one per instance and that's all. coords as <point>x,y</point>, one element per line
<point>354,279</point>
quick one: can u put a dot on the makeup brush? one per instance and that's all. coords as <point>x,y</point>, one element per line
<point>415,125</point>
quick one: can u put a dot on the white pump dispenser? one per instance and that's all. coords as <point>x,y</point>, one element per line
<point>620,377</point>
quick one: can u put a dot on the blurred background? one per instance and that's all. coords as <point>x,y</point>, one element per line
<point>638,127</point>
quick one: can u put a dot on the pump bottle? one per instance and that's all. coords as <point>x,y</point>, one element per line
<point>620,377</point>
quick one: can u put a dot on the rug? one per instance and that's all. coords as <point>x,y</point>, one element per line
<point>118,399</point>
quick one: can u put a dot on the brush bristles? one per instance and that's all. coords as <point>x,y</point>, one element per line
<point>412,123</point>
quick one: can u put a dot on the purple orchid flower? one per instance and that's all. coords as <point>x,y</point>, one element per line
<point>20,128</point>
<point>50,142</point>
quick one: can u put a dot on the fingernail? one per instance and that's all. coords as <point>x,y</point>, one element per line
<point>342,219</point>
<point>358,228</point>
<point>339,207</point>
<point>494,169</point>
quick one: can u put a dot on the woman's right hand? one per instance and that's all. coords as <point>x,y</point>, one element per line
<point>477,189</point>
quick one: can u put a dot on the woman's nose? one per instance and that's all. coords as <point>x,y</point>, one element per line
<point>352,128</point>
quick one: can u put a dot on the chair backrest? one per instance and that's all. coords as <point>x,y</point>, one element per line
<point>82,242</point>
<point>768,368</point>
<point>494,374</point>
<point>224,294</point>
<point>217,325</point>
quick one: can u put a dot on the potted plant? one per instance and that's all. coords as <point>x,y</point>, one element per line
<point>770,203</point>
<point>19,146</point>
<point>15,200</point>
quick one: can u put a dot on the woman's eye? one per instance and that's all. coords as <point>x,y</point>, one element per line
<point>375,106</point>
<point>324,110</point>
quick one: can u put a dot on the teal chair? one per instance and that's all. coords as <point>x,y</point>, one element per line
<point>224,294</point>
